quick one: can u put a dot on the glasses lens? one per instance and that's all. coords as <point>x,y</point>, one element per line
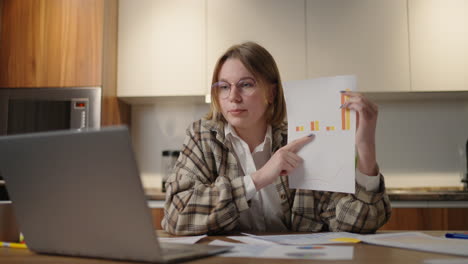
<point>223,89</point>
<point>247,86</point>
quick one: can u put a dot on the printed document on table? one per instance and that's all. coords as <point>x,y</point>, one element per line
<point>182,240</point>
<point>313,106</point>
<point>419,241</point>
<point>251,240</point>
<point>309,239</point>
<point>286,252</point>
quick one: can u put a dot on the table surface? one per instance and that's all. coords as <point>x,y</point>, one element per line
<point>363,253</point>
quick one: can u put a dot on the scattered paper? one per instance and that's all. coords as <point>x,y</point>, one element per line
<point>313,106</point>
<point>447,261</point>
<point>252,240</point>
<point>419,241</point>
<point>182,240</point>
<point>287,252</point>
<point>310,239</point>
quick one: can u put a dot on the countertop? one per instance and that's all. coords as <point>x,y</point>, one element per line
<point>428,194</point>
<point>395,194</point>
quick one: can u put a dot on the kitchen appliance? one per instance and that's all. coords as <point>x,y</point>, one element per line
<point>26,110</point>
<point>168,161</point>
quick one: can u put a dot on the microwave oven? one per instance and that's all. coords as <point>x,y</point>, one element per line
<point>28,110</point>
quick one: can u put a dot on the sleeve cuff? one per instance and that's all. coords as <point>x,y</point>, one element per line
<point>250,189</point>
<point>370,183</point>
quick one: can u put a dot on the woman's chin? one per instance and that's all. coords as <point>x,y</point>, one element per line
<point>237,122</point>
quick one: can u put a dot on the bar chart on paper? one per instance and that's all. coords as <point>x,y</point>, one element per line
<point>313,106</point>
<point>345,119</point>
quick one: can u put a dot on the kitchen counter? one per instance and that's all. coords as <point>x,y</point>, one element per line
<point>395,194</point>
<point>427,194</point>
<point>155,194</point>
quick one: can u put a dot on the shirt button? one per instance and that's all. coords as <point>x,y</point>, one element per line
<point>283,196</point>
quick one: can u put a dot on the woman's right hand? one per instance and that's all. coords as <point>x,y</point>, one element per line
<point>281,163</point>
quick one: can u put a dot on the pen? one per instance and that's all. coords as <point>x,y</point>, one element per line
<point>13,245</point>
<point>456,235</point>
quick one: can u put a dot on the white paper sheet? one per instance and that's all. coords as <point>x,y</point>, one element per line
<point>182,240</point>
<point>307,239</point>
<point>252,240</point>
<point>447,261</point>
<point>287,252</point>
<point>419,241</point>
<point>313,106</point>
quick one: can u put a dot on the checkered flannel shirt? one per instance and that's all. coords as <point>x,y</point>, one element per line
<point>205,194</point>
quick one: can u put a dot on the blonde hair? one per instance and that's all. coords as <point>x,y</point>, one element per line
<point>261,64</point>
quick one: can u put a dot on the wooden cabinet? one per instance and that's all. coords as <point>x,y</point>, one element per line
<point>62,43</point>
<point>161,48</point>
<point>363,37</point>
<point>158,215</point>
<point>438,44</point>
<point>275,24</point>
<point>428,219</point>
<point>52,43</point>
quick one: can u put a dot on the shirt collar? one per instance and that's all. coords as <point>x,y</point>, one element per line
<point>230,132</point>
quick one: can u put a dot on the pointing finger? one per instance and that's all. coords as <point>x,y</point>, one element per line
<point>297,144</point>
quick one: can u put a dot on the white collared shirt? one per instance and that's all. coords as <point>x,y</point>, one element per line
<point>265,205</point>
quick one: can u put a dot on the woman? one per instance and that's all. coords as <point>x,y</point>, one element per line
<point>232,172</point>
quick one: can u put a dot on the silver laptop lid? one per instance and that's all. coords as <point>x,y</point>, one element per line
<point>79,193</point>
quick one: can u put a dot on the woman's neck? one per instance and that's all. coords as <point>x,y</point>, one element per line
<point>252,136</point>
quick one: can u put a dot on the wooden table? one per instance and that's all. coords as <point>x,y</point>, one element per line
<point>363,253</point>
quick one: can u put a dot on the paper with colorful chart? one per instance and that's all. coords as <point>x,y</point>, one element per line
<point>313,106</point>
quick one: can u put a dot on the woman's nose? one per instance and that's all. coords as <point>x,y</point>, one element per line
<point>234,94</point>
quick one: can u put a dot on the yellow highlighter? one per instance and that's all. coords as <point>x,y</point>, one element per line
<point>13,245</point>
<point>346,240</point>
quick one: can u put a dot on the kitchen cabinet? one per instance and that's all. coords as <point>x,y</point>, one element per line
<point>275,24</point>
<point>49,44</point>
<point>169,48</point>
<point>428,219</point>
<point>161,48</point>
<point>1,5</point>
<point>363,37</point>
<point>62,43</point>
<point>438,44</point>
<point>158,215</point>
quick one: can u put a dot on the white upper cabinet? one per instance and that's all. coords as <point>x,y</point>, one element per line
<point>277,25</point>
<point>367,38</point>
<point>161,48</point>
<point>439,44</point>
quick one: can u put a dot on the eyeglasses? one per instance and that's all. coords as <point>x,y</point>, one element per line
<point>245,87</point>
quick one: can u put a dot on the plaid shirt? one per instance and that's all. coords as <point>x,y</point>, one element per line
<point>205,194</point>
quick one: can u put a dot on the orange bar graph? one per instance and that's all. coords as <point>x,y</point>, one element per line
<point>348,120</point>
<point>312,126</point>
<point>345,114</point>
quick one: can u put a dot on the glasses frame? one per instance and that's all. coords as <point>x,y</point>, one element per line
<point>242,90</point>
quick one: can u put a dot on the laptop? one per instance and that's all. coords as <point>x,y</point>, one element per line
<point>79,193</point>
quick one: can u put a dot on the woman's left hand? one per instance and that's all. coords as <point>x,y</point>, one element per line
<point>366,121</point>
